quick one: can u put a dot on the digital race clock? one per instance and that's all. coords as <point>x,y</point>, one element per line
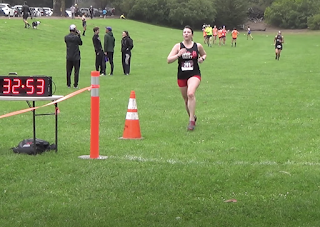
<point>25,86</point>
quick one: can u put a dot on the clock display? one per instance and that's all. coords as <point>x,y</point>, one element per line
<point>25,86</point>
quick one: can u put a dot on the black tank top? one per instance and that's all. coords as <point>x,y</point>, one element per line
<point>188,63</point>
<point>278,40</point>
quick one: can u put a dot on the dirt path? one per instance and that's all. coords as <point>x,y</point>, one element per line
<point>259,26</point>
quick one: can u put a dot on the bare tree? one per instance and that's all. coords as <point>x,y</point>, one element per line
<point>63,7</point>
<point>57,7</point>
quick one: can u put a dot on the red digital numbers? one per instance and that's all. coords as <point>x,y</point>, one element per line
<point>7,86</point>
<point>25,86</point>
<point>40,86</point>
<point>15,86</point>
<point>30,86</point>
<point>10,86</point>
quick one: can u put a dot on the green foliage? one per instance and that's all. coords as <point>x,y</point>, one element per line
<point>191,12</point>
<point>124,6</point>
<point>151,11</point>
<point>231,13</point>
<point>256,8</point>
<point>173,12</point>
<point>168,12</point>
<point>291,13</point>
<point>314,22</point>
<point>262,4</point>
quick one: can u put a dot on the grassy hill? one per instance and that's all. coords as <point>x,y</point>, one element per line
<point>256,141</point>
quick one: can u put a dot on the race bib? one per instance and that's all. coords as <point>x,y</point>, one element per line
<point>279,46</point>
<point>187,65</point>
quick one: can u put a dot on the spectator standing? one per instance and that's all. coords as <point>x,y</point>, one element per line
<point>100,58</point>
<point>25,14</point>
<point>76,10</point>
<point>91,12</point>
<point>104,13</point>
<point>126,47</point>
<point>72,9</point>
<point>73,41</point>
<point>109,43</point>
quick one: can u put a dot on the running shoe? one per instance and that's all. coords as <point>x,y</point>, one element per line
<point>191,126</point>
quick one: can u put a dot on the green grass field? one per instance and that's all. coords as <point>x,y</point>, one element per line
<point>257,137</point>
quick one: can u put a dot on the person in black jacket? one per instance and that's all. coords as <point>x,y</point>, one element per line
<point>100,58</point>
<point>126,47</point>
<point>91,12</point>
<point>73,40</point>
<point>25,14</point>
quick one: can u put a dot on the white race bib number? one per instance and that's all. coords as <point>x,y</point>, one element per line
<point>279,46</point>
<point>187,66</point>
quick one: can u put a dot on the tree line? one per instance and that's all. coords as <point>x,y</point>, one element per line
<point>294,14</point>
<point>232,13</point>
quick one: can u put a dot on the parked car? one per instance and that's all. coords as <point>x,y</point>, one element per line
<point>97,12</point>
<point>68,12</point>
<point>6,8</point>
<point>36,11</point>
<point>16,12</point>
<point>32,11</point>
<point>41,11</point>
<point>47,11</point>
<point>2,13</point>
<point>18,8</point>
<point>85,11</point>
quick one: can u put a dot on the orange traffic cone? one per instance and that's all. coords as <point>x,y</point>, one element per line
<point>132,125</point>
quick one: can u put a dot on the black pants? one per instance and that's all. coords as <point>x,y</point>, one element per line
<point>126,59</point>
<point>110,57</point>
<point>100,63</point>
<point>70,65</point>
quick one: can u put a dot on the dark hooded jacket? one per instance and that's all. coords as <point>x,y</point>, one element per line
<point>73,40</point>
<point>126,44</point>
<point>109,42</point>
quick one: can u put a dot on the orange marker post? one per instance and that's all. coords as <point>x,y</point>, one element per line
<point>95,115</point>
<point>95,118</point>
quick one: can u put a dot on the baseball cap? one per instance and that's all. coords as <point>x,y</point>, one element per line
<point>72,27</point>
<point>109,28</point>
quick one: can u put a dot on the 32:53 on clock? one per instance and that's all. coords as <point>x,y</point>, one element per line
<point>25,86</point>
